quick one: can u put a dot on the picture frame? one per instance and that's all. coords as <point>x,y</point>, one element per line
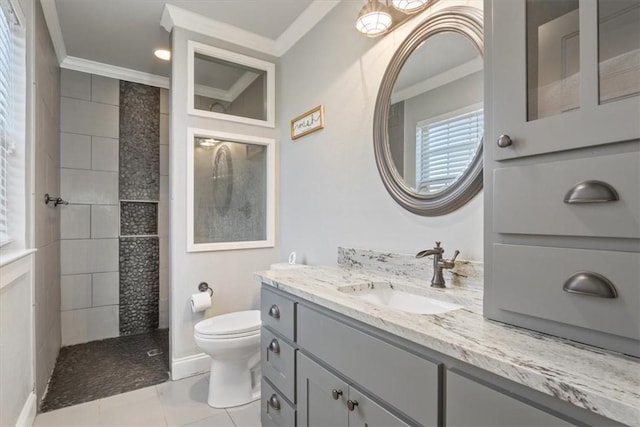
<point>309,122</point>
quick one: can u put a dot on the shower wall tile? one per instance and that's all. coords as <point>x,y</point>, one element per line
<point>164,129</point>
<point>75,84</point>
<point>138,218</point>
<point>164,101</point>
<point>88,118</point>
<point>164,161</point>
<point>89,324</point>
<point>106,289</point>
<point>139,137</point>
<point>89,187</point>
<point>104,154</point>
<point>104,221</point>
<point>75,222</point>
<point>75,291</point>
<point>139,285</point>
<point>75,151</point>
<point>88,256</point>
<point>105,90</point>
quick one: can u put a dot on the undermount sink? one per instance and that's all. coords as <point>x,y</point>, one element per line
<point>399,298</point>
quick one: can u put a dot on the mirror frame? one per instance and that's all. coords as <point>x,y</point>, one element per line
<point>463,20</point>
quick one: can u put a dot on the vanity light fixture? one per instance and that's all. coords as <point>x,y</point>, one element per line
<point>163,54</point>
<point>374,19</point>
<point>409,6</point>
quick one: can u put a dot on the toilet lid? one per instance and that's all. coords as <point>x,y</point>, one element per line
<point>230,323</point>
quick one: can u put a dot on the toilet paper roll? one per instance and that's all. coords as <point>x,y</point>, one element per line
<point>200,301</point>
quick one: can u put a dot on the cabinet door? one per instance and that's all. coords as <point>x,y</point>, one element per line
<point>367,413</point>
<point>470,403</point>
<point>322,397</point>
<point>565,74</point>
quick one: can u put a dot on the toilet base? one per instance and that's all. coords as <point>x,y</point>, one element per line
<point>231,384</point>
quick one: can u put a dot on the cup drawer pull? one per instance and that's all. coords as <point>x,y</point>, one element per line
<point>274,346</point>
<point>591,284</point>
<point>591,191</point>
<point>274,312</point>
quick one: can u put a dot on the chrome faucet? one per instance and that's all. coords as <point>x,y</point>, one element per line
<point>439,263</point>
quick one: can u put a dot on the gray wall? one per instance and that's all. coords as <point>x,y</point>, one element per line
<point>89,126</point>
<point>330,191</point>
<point>47,219</point>
<point>229,273</point>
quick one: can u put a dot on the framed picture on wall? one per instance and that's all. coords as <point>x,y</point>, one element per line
<point>311,121</point>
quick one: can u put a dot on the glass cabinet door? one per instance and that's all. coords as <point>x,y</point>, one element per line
<point>565,74</point>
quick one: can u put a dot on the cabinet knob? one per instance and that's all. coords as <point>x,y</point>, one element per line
<point>274,312</point>
<point>504,141</point>
<point>336,394</point>
<point>274,402</point>
<point>274,346</point>
<point>351,404</point>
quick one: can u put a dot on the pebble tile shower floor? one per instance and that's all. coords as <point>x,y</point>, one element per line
<point>98,369</point>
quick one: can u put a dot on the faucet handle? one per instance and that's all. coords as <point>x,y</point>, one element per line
<point>455,255</point>
<point>437,244</point>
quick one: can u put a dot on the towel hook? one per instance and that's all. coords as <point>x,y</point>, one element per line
<point>55,200</point>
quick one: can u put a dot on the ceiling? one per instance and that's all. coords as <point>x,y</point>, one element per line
<point>124,33</point>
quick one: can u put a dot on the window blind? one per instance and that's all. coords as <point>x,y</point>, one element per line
<point>6,145</point>
<point>444,149</point>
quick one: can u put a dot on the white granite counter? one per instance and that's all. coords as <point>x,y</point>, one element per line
<point>602,382</point>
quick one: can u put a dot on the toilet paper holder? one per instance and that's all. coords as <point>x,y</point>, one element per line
<point>204,286</point>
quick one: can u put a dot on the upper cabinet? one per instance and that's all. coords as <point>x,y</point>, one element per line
<point>566,74</point>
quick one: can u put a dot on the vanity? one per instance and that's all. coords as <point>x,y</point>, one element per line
<point>333,357</point>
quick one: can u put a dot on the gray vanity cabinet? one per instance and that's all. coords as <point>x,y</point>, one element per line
<point>326,400</point>
<point>472,404</point>
<point>562,169</point>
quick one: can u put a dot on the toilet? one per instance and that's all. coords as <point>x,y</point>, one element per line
<point>233,342</point>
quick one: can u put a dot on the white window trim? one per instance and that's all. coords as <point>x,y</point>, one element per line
<point>270,144</point>
<point>442,117</point>
<point>225,55</point>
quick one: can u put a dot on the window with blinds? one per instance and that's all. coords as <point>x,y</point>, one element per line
<point>7,22</point>
<point>445,147</point>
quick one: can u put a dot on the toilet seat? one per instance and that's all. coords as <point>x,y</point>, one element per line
<point>231,325</point>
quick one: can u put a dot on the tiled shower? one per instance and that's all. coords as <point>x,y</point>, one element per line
<point>114,173</point>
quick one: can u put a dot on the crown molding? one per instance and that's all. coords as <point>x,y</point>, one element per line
<point>173,16</point>
<point>308,19</point>
<point>114,72</point>
<point>53,23</point>
<point>438,80</point>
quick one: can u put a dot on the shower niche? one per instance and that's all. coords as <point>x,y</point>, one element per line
<point>230,191</point>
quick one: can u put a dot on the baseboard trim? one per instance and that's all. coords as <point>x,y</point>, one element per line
<point>28,413</point>
<point>191,365</point>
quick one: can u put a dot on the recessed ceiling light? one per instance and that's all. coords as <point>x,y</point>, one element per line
<point>163,54</point>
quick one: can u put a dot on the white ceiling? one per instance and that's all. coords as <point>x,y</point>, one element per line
<point>124,33</point>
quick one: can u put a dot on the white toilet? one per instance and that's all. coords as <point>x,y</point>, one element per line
<point>233,342</point>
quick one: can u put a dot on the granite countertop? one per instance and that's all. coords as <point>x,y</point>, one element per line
<point>603,382</point>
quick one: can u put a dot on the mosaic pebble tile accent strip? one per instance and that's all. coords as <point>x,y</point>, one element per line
<point>139,284</point>
<point>139,142</point>
<point>138,218</point>
<point>98,369</point>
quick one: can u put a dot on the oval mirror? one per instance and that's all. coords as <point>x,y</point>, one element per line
<point>428,119</point>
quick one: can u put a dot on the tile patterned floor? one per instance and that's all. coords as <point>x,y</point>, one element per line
<point>99,369</point>
<point>180,403</point>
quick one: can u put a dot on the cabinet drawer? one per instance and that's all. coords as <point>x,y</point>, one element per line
<point>284,416</point>
<point>470,403</point>
<point>530,199</point>
<point>278,363</point>
<point>278,313</point>
<point>518,287</point>
<point>404,380</point>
